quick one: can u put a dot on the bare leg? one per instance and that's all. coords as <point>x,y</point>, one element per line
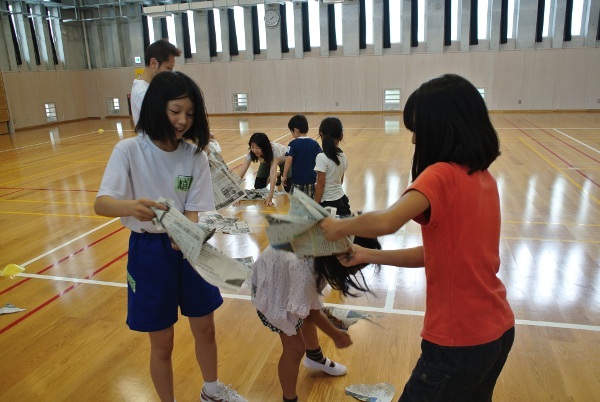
<point>161,367</point>
<point>289,363</point>
<point>203,329</point>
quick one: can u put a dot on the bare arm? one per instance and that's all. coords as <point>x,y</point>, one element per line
<point>244,169</point>
<point>407,257</point>
<point>377,223</point>
<point>139,209</point>
<point>272,181</point>
<point>286,169</point>
<point>320,186</point>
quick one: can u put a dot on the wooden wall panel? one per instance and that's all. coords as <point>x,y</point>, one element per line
<point>553,79</point>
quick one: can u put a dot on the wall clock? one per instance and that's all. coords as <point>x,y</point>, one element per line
<point>272,18</point>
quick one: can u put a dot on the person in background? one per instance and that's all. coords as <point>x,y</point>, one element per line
<point>300,157</point>
<point>159,56</point>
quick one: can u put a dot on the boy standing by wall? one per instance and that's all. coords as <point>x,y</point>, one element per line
<point>301,155</point>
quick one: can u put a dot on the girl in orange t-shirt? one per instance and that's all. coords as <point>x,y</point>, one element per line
<point>468,329</point>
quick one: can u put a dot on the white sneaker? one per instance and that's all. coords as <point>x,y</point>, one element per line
<point>335,370</point>
<point>225,394</point>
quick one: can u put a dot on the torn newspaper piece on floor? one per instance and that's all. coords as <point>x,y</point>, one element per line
<point>382,392</point>
<point>9,309</point>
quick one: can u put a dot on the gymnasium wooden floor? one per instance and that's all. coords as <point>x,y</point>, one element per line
<point>71,343</point>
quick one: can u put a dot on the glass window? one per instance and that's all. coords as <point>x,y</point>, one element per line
<point>112,105</point>
<point>395,22</point>
<point>171,29</point>
<point>482,92</point>
<point>576,17</point>
<point>262,31</point>
<point>289,18</point>
<point>421,18</point>
<point>338,24</point>
<point>369,21</point>
<point>546,30</point>
<point>240,102</point>
<point>238,15</point>
<point>511,18</point>
<point>50,111</point>
<point>482,19</point>
<point>391,99</point>
<point>192,31</point>
<point>314,26</point>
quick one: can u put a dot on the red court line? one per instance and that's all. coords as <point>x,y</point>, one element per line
<point>56,297</point>
<point>561,159</point>
<point>564,142</point>
<point>18,190</point>
<point>62,260</point>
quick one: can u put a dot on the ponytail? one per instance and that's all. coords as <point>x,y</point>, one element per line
<point>331,130</point>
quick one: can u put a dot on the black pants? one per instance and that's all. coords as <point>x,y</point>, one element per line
<point>342,205</point>
<point>458,374</point>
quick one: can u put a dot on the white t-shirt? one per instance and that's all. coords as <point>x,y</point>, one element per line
<point>138,91</point>
<point>279,152</point>
<point>284,288</point>
<point>139,169</point>
<point>333,175</point>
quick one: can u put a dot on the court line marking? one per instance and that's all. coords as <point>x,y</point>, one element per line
<point>39,257</point>
<point>385,310</point>
<point>576,140</point>
<point>580,187</point>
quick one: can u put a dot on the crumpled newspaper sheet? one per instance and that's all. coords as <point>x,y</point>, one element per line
<point>342,318</point>
<point>382,392</point>
<point>9,308</point>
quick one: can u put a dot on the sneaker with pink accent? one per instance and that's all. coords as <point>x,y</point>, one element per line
<point>329,367</point>
<point>225,394</point>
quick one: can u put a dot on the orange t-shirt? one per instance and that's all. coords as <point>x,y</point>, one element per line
<point>466,301</point>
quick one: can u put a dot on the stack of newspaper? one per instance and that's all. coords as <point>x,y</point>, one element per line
<point>298,231</point>
<point>214,266</point>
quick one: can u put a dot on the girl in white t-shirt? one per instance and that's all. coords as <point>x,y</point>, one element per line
<point>286,291</point>
<point>166,160</point>
<point>330,167</point>
<point>270,155</point>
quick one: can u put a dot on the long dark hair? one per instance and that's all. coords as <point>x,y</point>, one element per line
<point>347,280</point>
<point>262,141</point>
<point>330,131</point>
<point>451,124</point>
<point>164,87</point>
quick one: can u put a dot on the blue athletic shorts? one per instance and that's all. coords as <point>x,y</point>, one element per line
<point>160,281</point>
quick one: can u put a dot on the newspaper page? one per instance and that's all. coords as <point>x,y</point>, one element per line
<point>214,266</point>
<point>226,184</point>
<point>299,229</point>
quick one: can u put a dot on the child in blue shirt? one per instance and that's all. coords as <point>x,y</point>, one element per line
<point>301,155</point>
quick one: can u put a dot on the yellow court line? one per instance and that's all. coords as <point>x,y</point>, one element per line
<point>47,214</point>
<point>50,161</point>
<point>579,186</point>
<point>34,175</point>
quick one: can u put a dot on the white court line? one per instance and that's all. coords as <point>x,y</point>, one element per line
<point>65,279</point>
<point>69,242</point>
<point>384,310</point>
<point>391,292</point>
<point>577,141</point>
<point>49,142</point>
